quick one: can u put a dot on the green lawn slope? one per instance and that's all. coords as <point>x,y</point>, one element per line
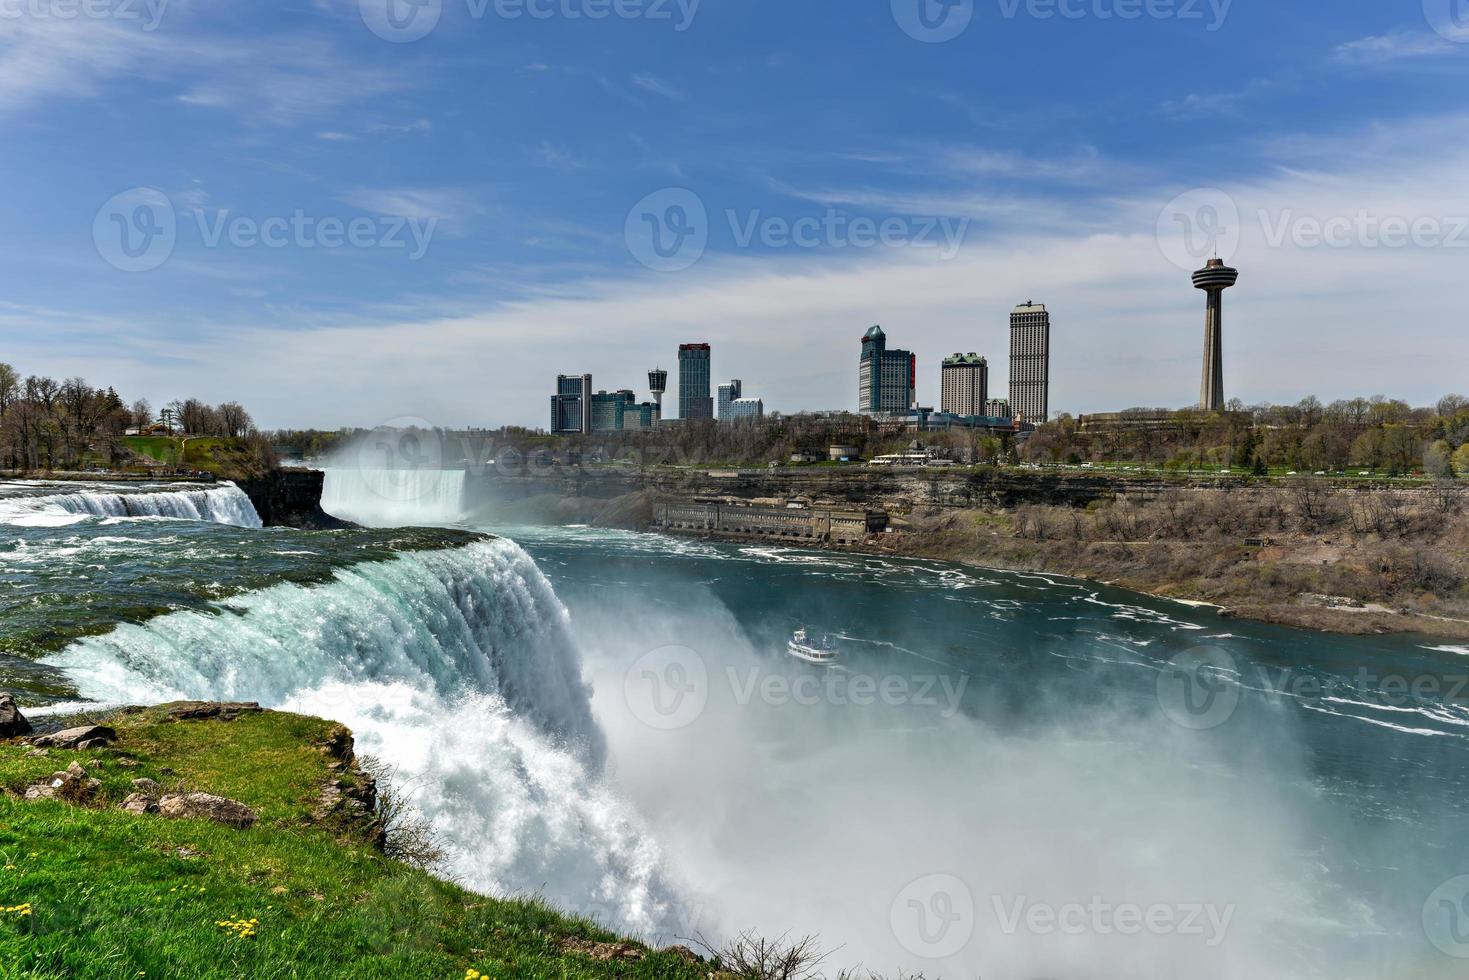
<point>90,890</point>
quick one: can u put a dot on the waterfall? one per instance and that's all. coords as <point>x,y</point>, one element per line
<point>224,504</point>
<point>454,667</point>
<point>392,498</point>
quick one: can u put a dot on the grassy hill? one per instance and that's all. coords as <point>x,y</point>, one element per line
<point>90,890</point>
<point>230,459</point>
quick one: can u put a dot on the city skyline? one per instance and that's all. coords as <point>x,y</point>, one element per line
<point>530,250</point>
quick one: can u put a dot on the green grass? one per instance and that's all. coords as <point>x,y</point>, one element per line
<point>165,449</point>
<point>225,458</point>
<point>118,895</point>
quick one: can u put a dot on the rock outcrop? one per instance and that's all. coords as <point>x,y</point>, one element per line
<point>205,806</point>
<point>13,724</point>
<point>82,737</point>
<point>291,498</point>
<point>200,710</point>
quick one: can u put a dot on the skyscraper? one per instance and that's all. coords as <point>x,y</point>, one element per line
<point>1030,362</point>
<point>1214,279</point>
<point>966,384</point>
<point>886,379</point>
<point>694,401</point>
<point>571,406</point>
<point>728,394</point>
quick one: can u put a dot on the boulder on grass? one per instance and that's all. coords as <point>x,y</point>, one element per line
<point>198,710</point>
<point>13,724</point>
<point>205,806</point>
<point>139,804</point>
<point>71,785</point>
<point>84,737</point>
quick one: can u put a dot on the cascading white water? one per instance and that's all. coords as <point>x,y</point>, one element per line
<point>224,504</point>
<point>455,668</point>
<point>391,498</point>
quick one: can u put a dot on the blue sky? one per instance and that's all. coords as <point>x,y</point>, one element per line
<point>502,176</point>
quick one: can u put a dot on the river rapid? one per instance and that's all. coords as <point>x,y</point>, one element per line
<point>1007,776</point>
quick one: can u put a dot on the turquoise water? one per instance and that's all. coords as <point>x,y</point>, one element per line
<point>1009,775</point>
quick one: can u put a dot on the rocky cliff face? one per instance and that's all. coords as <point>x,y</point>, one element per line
<point>291,498</point>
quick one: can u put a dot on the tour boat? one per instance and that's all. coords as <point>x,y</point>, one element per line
<point>819,652</point>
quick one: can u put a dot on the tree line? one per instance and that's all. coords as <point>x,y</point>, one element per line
<point>46,424</point>
<point>1378,434</point>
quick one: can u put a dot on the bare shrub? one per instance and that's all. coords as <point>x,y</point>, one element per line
<point>752,957</point>
<point>408,837</point>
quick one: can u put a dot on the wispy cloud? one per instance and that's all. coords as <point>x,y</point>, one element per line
<point>652,83</point>
<point>453,208</point>
<point>1399,45</point>
<point>50,57</point>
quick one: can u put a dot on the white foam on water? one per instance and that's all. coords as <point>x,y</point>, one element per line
<point>224,504</point>
<point>456,669</point>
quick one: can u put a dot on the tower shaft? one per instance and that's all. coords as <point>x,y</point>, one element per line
<point>1211,390</point>
<point>1214,278</point>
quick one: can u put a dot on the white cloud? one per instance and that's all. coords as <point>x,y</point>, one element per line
<point>1399,45</point>
<point>652,83</point>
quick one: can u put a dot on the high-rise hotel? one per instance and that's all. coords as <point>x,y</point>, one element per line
<point>571,406</point>
<point>694,399</point>
<point>887,380</point>
<point>1030,362</point>
<point>966,385</point>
